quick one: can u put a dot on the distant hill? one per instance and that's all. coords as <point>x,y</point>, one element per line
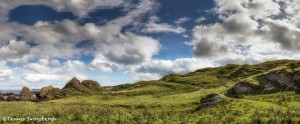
<point>262,77</point>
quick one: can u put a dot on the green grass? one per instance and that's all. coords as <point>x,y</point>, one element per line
<point>173,100</point>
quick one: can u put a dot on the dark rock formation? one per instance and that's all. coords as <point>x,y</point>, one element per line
<point>282,78</point>
<point>74,85</point>
<point>296,79</point>
<point>243,88</point>
<point>210,100</point>
<point>11,97</point>
<point>92,85</point>
<point>296,76</point>
<point>48,93</point>
<point>27,95</point>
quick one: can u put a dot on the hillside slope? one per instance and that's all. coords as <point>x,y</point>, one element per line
<point>219,77</point>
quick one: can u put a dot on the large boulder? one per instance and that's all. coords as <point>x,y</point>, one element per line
<point>47,93</point>
<point>11,97</point>
<point>210,100</point>
<point>92,85</point>
<point>74,85</point>
<point>27,95</point>
<point>296,76</point>
<point>282,78</point>
<point>243,88</point>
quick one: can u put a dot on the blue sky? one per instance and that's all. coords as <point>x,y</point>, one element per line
<point>124,41</point>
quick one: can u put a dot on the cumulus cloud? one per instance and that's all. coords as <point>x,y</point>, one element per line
<point>5,72</point>
<point>14,50</point>
<point>155,69</point>
<point>154,26</point>
<point>52,71</point>
<point>163,27</point>
<point>182,20</point>
<point>79,7</point>
<point>200,19</point>
<point>60,39</point>
<point>268,27</point>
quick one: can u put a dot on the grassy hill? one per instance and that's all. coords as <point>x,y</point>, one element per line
<point>174,99</point>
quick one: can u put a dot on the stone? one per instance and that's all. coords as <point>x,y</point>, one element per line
<point>49,92</point>
<point>92,85</point>
<point>210,100</point>
<point>296,76</point>
<point>74,85</point>
<point>27,95</point>
<point>11,97</point>
<point>282,78</point>
<point>243,88</point>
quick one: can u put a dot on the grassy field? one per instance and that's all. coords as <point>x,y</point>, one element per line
<point>172,100</point>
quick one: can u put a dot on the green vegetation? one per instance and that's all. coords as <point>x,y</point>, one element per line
<point>174,99</point>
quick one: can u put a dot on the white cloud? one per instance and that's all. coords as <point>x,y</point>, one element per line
<point>15,50</point>
<point>60,39</point>
<point>182,20</point>
<point>45,71</point>
<point>79,7</point>
<point>264,26</point>
<point>155,69</point>
<point>200,19</point>
<point>5,72</point>
<point>163,27</point>
<point>154,26</point>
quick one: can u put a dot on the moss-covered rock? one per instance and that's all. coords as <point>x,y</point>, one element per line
<point>210,100</point>
<point>27,95</point>
<point>92,85</point>
<point>74,87</point>
<point>48,93</point>
<point>283,78</point>
<point>245,88</point>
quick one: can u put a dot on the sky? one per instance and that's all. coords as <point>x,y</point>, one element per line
<point>47,42</point>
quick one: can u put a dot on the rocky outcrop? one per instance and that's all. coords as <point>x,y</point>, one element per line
<point>47,93</point>
<point>243,88</point>
<point>27,95</point>
<point>282,78</point>
<point>296,76</point>
<point>74,85</point>
<point>92,85</point>
<point>210,100</point>
<point>11,97</point>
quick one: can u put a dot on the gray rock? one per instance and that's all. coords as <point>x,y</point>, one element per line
<point>282,78</point>
<point>210,100</point>
<point>242,88</point>
<point>296,76</point>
